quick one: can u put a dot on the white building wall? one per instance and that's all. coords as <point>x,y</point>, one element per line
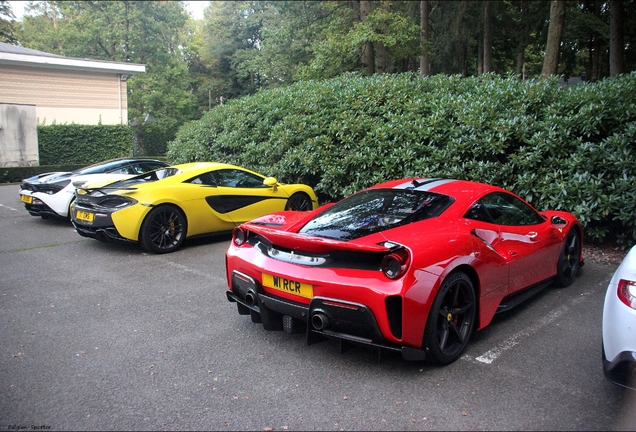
<point>18,135</point>
<point>66,96</point>
<point>88,116</point>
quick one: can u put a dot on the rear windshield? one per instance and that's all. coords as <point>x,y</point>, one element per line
<point>375,210</point>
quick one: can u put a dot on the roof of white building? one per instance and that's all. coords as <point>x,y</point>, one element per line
<point>19,56</point>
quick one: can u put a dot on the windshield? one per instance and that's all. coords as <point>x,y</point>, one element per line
<point>100,167</point>
<point>148,177</point>
<point>375,210</point>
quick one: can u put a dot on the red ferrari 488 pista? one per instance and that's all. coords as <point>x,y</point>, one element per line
<point>413,265</point>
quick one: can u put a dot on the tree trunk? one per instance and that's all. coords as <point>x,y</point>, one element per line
<point>488,36</point>
<point>465,62</point>
<point>555,34</point>
<point>425,38</point>
<point>480,53</point>
<point>617,46</point>
<point>521,59</point>
<point>381,55</point>
<point>140,141</point>
<point>367,49</point>
<point>355,5</point>
<point>522,44</point>
<point>594,46</point>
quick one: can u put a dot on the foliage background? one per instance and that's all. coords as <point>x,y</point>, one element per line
<point>242,46</point>
<point>558,147</point>
<point>83,144</point>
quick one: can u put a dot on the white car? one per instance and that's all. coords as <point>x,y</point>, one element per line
<point>619,324</point>
<point>51,194</point>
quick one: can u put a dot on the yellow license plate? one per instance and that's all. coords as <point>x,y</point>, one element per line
<point>85,216</point>
<point>289,286</point>
<point>26,199</point>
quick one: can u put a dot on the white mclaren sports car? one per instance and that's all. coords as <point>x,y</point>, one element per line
<point>619,324</point>
<point>51,194</point>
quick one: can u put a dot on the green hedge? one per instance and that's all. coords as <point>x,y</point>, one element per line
<point>68,147</point>
<point>153,137</point>
<point>83,144</point>
<point>560,148</point>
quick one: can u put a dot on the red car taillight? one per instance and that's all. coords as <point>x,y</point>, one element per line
<point>627,292</point>
<point>395,264</point>
<point>239,235</point>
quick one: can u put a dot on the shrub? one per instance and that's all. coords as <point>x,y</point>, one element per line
<point>561,148</point>
<point>82,144</point>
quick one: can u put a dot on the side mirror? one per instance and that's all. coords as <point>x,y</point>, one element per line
<point>558,222</point>
<point>270,182</point>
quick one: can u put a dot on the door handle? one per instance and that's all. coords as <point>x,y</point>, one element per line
<point>531,234</point>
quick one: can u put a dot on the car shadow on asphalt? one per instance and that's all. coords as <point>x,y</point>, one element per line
<point>134,248</point>
<point>207,240</point>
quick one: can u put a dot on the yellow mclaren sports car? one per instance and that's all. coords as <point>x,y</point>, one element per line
<point>162,208</point>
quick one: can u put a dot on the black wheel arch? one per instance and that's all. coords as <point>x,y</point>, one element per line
<point>166,204</point>
<point>469,271</point>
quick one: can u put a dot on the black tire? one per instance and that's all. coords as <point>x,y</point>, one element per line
<point>299,202</point>
<point>163,230</point>
<point>451,320</point>
<point>568,264</point>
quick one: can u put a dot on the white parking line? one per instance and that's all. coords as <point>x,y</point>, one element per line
<point>491,355</point>
<point>7,207</point>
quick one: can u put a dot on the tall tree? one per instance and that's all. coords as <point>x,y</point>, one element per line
<point>555,34</point>
<point>525,29</point>
<point>595,46</point>
<point>456,38</point>
<point>522,41</point>
<point>379,46</point>
<point>290,30</point>
<point>6,22</point>
<point>584,48</point>
<point>345,48</point>
<point>425,59</point>
<point>617,45</point>
<point>232,35</point>
<point>366,56</point>
<point>488,37</point>
<point>40,29</point>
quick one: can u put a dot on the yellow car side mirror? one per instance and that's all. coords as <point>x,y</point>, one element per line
<point>270,181</point>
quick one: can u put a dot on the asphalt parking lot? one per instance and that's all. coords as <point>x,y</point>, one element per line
<point>101,336</point>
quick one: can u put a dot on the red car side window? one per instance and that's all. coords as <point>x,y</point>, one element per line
<point>504,209</point>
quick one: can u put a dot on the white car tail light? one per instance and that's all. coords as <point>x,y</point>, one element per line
<point>627,292</point>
